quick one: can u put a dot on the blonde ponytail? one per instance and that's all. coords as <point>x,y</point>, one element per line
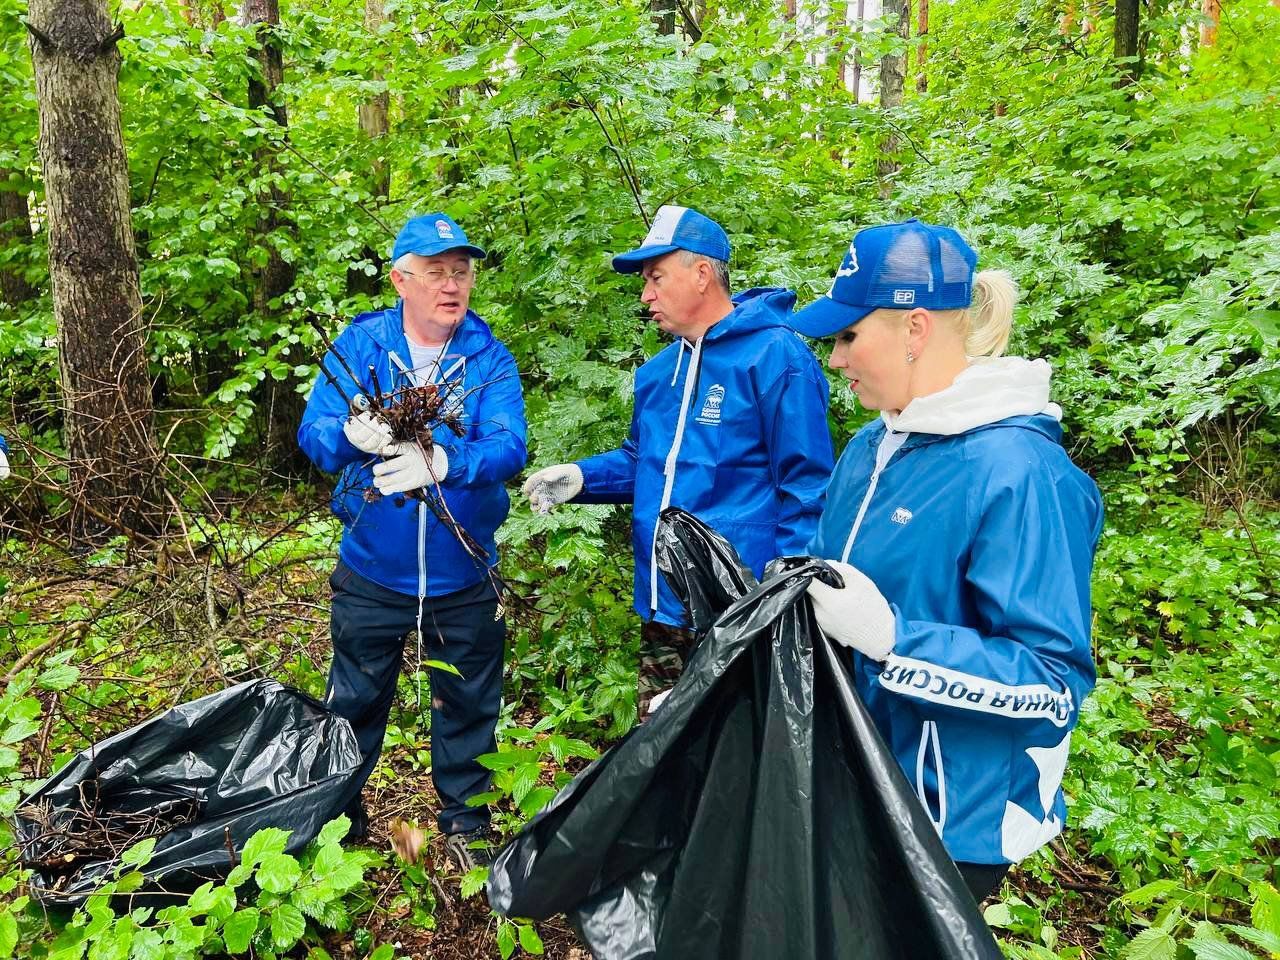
<point>990,317</point>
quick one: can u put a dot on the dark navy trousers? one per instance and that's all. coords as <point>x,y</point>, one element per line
<point>369,625</point>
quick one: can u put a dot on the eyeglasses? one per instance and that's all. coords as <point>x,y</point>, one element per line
<point>434,279</point>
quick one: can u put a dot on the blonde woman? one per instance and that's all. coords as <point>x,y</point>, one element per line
<point>964,537</point>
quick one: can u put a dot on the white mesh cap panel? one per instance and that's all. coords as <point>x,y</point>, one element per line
<point>664,226</point>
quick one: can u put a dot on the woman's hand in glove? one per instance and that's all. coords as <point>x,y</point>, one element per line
<point>855,615</point>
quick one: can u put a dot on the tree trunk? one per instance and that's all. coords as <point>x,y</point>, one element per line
<point>664,16</point>
<point>922,31</point>
<point>857,53</point>
<point>1126,40</point>
<point>1068,22</point>
<point>374,125</point>
<point>93,268</point>
<point>839,20</point>
<point>1212,10</point>
<point>789,9</point>
<point>892,73</point>
<point>15,232</point>
<point>274,279</point>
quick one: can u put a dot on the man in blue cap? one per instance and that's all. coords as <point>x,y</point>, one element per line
<point>729,423</point>
<point>401,568</point>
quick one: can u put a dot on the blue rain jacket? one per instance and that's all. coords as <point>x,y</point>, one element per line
<point>406,549</point>
<point>983,544</point>
<point>742,416</point>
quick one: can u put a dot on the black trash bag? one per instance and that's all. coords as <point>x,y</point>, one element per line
<point>757,815</point>
<point>201,778</point>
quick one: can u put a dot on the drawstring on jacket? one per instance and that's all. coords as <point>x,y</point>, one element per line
<point>679,357</point>
<point>669,470</point>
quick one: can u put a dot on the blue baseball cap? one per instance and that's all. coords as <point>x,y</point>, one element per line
<point>676,228</point>
<point>899,266</point>
<point>430,235</point>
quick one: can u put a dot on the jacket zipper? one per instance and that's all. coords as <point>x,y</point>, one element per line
<point>669,469</point>
<point>889,445</point>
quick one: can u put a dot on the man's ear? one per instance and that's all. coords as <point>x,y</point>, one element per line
<point>706,276</point>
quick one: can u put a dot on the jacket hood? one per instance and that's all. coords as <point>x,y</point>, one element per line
<point>755,309</point>
<point>987,391</point>
<point>386,328</point>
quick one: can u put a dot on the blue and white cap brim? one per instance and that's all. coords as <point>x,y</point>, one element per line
<point>826,317</point>
<point>633,260</point>
<point>676,228</point>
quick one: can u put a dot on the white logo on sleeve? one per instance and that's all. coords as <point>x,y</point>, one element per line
<point>904,296</point>
<point>902,516</point>
<point>711,405</point>
<point>444,229</point>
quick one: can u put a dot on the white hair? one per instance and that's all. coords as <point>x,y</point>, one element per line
<point>719,267</point>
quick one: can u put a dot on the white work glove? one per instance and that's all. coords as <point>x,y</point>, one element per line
<point>4,466</point>
<point>367,433</point>
<point>552,486</point>
<point>855,615</point>
<point>406,468</point>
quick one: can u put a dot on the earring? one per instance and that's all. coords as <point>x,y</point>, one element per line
<point>910,357</point>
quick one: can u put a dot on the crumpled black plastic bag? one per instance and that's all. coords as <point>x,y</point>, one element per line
<point>256,755</point>
<point>757,815</point>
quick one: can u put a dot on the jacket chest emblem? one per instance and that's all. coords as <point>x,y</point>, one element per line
<point>901,516</point>
<point>711,405</point>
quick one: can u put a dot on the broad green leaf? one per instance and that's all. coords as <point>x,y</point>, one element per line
<point>287,925</point>
<point>239,928</point>
<point>59,677</point>
<point>1218,950</point>
<point>334,830</point>
<point>8,933</point>
<point>506,940</point>
<point>1152,944</point>
<point>139,854</point>
<point>997,915</point>
<point>278,873</point>
<point>530,942</point>
<point>264,842</point>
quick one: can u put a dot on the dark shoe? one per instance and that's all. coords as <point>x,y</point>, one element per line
<point>359,832</point>
<point>471,849</point>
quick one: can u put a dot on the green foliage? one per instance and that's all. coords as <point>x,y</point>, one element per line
<point>271,902</point>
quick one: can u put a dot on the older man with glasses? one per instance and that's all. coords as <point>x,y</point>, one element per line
<point>401,567</point>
